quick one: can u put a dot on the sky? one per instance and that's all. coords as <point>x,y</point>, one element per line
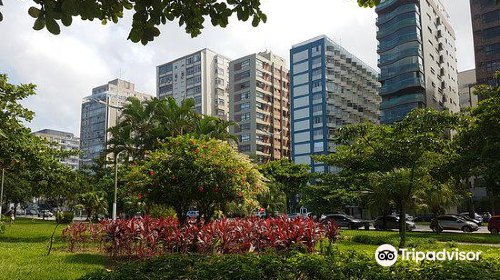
<point>87,54</point>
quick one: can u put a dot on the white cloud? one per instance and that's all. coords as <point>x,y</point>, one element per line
<point>88,54</point>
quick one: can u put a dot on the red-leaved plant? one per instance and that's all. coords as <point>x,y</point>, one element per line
<point>147,237</point>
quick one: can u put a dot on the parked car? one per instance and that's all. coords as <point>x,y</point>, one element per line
<point>45,213</point>
<point>494,224</point>
<point>424,218</point>
<point>260,214</point>
<point>32,212</point>
<point>478,219</point>
<point>454,222</point>
<point>347,221</point>
<point>293,215</point>
<point>20,212</point>
<point>391,222</point>
<point>193,214</point>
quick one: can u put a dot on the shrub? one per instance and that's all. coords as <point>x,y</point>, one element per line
<point>147,237</point>
<point>160,211</point>
<point>338,265</point>
<point>65,217</point>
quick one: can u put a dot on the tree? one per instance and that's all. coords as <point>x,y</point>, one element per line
<point>288,176</point>
<point>94,203</point>
<point>396,156</point>
<point>144,125</point>
<point>478,141</point>
<point>187,171</point>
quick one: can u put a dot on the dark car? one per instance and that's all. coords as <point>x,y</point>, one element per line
<point>454,222</point>
<point>347,221</point>
<point>424,218</point>
<point>478,219</point>
<point>494,224</point>
<point>391,222</point>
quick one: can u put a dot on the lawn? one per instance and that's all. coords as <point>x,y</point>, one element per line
<point>23,249</point>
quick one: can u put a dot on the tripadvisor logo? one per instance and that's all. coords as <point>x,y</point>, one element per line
<point>387,255</point>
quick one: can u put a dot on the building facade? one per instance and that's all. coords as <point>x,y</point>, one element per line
<point>259,104</point>
<point>417,58</point>
<point>466,82</point>
<point>330,88</point>
<point>64,141</point>
<point>485,16</point>
<point>100,111</point>
<point>202,76</point>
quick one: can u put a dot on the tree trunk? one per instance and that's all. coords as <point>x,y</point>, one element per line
<point>435,222</point>
<point>470,200</point>
<point>491,197</point>
<point>402,225</point>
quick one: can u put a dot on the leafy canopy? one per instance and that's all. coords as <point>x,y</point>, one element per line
<point>205,173</point>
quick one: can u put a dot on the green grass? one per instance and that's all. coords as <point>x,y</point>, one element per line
<point>23,250</point>
<point>443,237</point>
<point>368,241</point>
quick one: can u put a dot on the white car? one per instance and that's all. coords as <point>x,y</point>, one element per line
<point>193,214</point>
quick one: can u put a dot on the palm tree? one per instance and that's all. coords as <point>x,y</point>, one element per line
<point>94,202</point>
<point>437,199</point>
<point>214,127</point>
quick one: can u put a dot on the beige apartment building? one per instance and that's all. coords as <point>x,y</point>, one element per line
<point>466,82</point>
<point>259,103</point>
<point>64,141</point>
<point>100,111</point>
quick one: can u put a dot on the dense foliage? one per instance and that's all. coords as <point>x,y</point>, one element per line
<point>189,172</point>
<point>147,237</point>
<point>336,264</point>
<point>288,178</point>
<point>31,164</point>
<point>397,160</point>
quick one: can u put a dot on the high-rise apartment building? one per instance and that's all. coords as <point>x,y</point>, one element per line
<point>330,88</point>
<point>466,83</point>
<point>485,16</point>
<point>259,104</point>
<point>202,76</point>
<point>64,141</point>
<point>417,60</point>
<point>100,111</point>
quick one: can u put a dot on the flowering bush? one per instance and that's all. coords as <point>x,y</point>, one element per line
<point>205,173</point>
<point>147,237</point>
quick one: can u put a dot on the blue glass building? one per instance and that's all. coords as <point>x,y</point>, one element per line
<point>329,88</point>
<point>416,58</point>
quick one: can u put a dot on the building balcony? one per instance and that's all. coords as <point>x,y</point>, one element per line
<point>395,27</point>
<point>406,83</point>
<point>409,98</point>
<point>387,45</point>
<point>400,10</point>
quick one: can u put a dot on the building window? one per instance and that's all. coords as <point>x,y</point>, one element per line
<point>242,65</point>
<point>165,68</point>
<point>221,101</point>
<point>245,137</point>
<point>492,49</point>
<point>244,148</point>
<point>245,106</point>
<point>241,86</point>
<point>245,96</point>
<point>245,117</point>
<point>491,33</point>
<point>242,75</point>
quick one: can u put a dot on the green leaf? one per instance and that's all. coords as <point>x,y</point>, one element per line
<point>52,26</point>
<point>255,21</point>
<point>34,12</point>
<point>67,20</point>
<point>39,24</point>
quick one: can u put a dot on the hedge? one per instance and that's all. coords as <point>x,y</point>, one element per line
<point>336,265</point>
